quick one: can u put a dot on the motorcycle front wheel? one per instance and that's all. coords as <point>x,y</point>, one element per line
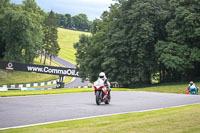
<point>98,99</point>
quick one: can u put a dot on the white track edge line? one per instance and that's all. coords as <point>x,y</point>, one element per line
<point>44,123</point>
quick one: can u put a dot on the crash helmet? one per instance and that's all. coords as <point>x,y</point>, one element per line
<point>191,83</point>
<point>102,76</point>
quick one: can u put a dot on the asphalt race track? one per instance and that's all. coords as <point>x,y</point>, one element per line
<point>77,81</point>
<point>26,110</point>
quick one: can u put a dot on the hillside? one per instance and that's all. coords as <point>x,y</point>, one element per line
<point>66,39</point>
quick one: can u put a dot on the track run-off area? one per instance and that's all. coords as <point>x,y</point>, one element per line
<point>25,111</point>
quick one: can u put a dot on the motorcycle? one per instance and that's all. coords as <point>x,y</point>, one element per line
<point>193,92</point>
<point>188,91</point>
<point>101,92</point>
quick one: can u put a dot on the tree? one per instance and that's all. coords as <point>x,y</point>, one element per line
<point>4,4</point>
<point>30,5</point>
<point>69,21</point>
<point>124,40</point>
<point>62,20</point>
<point>82,54</point>
<point>51,46</point>
<point>78,22</point>
<point>21,34</point>
<point>179,54</point>
<point>94,26</point>
<point>81,22</point>
<point>137,40</point>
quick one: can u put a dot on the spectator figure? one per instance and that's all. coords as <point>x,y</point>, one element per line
<point>193,88</point>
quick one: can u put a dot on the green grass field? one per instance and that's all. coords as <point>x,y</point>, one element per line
<point>66,40</point>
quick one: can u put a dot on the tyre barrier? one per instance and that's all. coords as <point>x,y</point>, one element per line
<point>23,89</point>
<point>29,86</point>
<point>83,87</point>
<point>31,89</point>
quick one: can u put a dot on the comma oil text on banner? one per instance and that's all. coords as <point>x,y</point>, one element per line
<point>39,69</point>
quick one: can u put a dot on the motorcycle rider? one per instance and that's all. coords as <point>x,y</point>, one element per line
<point>192,87</point>
<point>102,76</point>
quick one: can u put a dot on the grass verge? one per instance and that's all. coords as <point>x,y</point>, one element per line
<point>176,120</point>
<point>178,88</point>
<point>17,77</point>
<point>53,91</point>
<point>44,92</point>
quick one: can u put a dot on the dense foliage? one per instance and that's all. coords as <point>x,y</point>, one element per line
<point>139,40</point>
<point>78,22</point>
<point>23,31</point>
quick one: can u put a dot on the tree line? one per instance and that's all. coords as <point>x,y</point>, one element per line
<point>26,31</point>
<point>137,41</point>
<point>78,22</point>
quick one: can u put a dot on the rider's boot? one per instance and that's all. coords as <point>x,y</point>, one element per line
<point>108,94</point>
